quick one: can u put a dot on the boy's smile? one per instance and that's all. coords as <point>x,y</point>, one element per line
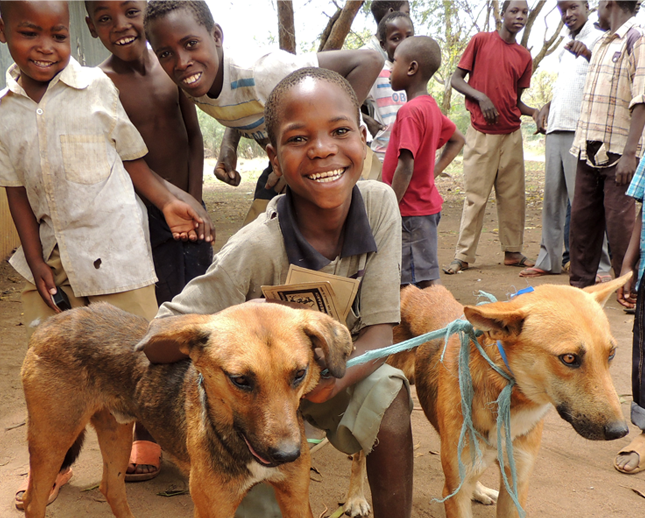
<point>574,14</point>
<point>119,26</point>
<point>319,146</point>
<point>37,34</point>
<point>189,54</point>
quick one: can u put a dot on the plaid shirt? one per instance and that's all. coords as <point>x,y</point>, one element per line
<point>636,190</point>
<point>615,83</point>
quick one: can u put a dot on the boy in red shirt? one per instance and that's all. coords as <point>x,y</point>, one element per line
<point>499,70</point>
<point>409,166</point>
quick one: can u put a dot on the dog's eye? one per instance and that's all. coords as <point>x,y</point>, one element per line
<point>241,382</point>
<point>612,353</point>
<point>570,360</point>
<point>300,375</point>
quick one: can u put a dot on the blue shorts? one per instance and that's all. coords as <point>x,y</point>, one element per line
<point>419,253</point>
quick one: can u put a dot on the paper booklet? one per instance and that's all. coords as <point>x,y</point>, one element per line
<point>330,294</point>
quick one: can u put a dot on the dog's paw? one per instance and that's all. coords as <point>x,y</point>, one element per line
<point>357,507</point>
<point>484,495</point>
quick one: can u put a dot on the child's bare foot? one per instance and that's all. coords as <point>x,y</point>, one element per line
<point>517,259</point>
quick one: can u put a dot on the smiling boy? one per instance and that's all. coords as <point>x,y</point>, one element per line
<point>326,222</point>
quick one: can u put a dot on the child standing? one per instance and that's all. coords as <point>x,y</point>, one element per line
<point>69,157</point>
<point>499,70</point>
<point>326,222</point>
<point>168,124</point>
<point>419,131</point>
<point>383,99</point>
<point>188,44</point>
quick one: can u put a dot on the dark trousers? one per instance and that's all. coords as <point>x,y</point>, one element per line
<point>638,361</point>
<point>598,203</point>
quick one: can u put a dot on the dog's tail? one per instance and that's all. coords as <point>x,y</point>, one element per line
<point>73,452</point>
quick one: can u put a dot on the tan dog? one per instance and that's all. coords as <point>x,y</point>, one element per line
<point>229,418</point>
<point>559,348</point>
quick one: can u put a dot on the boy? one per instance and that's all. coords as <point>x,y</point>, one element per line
<point>326,222</point>
<point>167,122</point>
<point>493,154</point>
<point>69,176</point>
<point>420,129</point>
<point>608,143</point>
<point>188,44</point>
<point>383,100</point>
<point>631,459</point>
<point>379,10</point>
<point>562,114</point>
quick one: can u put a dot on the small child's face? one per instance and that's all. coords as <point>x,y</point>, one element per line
<point>37,34</point>
<point>395,32</point>
<point>188,53</point>
<point>119,26</point>
<point>319,147</point>
<point>399,78</point>
<point>515,16</point>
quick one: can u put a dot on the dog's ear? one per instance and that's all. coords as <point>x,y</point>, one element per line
<point>499,319</point>
<point>166,337</point>
<point>330,336</point>
<point>601,292</point>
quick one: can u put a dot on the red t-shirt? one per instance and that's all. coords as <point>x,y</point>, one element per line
<point>421,128</point>
<point>498,69</point>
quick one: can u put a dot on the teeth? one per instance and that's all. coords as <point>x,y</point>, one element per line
<point>126,40</point>
<point>43,63</point>
<point>192,79</point>
<point>327,176</point>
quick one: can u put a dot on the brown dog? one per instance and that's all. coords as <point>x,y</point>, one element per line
<point>559,348</point>
<point>228,416</point>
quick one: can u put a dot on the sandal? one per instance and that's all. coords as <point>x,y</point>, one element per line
<point>456,266</point>
<point>533,272</point>
<point>637,446</point>
<point>524,261</point>
<point>603,277</point>
<point>144,453</point>
<point>61,479</point>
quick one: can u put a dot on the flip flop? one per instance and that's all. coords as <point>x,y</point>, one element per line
<point>61,480</point>
<point>456,266</point>
<point>603,277</point>
<point>533,272</point>
<point>524,261</point>
<point>637,446</point>
<point>144,453</point>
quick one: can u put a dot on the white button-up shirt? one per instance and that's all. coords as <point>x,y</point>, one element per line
<point>67,152</point>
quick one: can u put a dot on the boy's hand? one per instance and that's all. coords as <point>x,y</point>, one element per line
<point>225,172</point>
<point>277,182</point>
<point>577,48</point>
<point>542,118</point>
<point>625,169</point>
<point>182,220</point>
<point>206,230</point>
<point>372,124</point>
<point>321,392</point>
<point>488,109</point>
<point>44,281</point>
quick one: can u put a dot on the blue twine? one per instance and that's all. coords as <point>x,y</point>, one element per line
<point>467,333</point>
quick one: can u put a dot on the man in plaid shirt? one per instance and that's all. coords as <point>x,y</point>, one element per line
<point>608,142</point>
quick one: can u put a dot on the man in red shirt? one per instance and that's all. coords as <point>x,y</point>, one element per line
<point>499,69</point>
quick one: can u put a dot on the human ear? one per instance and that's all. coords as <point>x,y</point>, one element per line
<point>363,131</point>
<point>218,35</point>
<point>273,158</point>
<point>90,26</point>
<point>413,68</point>
<point>3,38</point>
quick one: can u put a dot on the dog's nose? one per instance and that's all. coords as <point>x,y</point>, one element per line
<point>285,453</point>
<point>616,430</point>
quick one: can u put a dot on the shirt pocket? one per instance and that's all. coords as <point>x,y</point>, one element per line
<point>85,158</point>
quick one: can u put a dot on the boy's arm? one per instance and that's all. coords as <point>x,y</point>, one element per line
<point>225,169</point>
<point>458,82</point>
<point>625,295</point>
<point>370,338</point>
<point>628,161</point>
<point>524,109</point>
<point>181,219</point>
<point>360,67</point>
<point>450,151</point>
<point>28,231</point>
<point>403,173</point>
<point>195,146</point>
<point>542,118</point>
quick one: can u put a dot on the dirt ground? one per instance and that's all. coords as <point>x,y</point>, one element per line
<point>573,477</point>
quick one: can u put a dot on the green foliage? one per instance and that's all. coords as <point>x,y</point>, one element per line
<point>541,91</point>
<point>356,40</point>
<point>213,132</point>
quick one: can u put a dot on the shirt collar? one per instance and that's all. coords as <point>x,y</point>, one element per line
<point>359,239</point>
<point>624,28</point>
<point>586,29</point>
<point>73,75</point>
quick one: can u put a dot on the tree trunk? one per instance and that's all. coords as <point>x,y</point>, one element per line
<point>339,26</point>
<point>286,26</point>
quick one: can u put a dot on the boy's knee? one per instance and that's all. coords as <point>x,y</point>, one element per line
<point>396,420</point>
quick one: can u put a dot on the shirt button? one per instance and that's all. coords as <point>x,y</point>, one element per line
<point>39,111</point>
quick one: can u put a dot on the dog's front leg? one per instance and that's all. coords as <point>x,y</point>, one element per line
<point>292,488</point>
<point>355,503</point>
<point>212,495</point>
<point>459,505</point>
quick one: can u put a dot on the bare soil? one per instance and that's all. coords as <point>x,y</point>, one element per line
<point>573,477</point>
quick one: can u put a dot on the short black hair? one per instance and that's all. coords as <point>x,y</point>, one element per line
<point>425,51</point>
<point>159,8</point>
<point>507,3</point>
<point>272,108</point>
<point>629,6</point>
<point>381,31</point>
<point>380,8</point>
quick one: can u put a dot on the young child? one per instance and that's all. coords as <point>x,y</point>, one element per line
<point>608,143</point>
<point>383,99</point>
<point>326,222</point>
<point>419,131</point>
<point>168,124</point>
<point>379,10</point>
<point>499,70</point>
<point>188,44</point>
<point>69,157</point>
